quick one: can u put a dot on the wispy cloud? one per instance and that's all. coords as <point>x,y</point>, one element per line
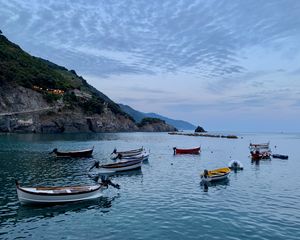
<point>228,48</point>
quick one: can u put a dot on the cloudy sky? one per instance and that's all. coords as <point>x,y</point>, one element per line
<point>223,64</point>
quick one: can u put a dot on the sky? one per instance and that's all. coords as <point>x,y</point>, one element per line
<point>226,65</point>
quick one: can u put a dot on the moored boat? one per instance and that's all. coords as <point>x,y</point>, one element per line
<point>73,154</point>
<point>258,155</point>
<point>130,153</point>
<point>187,150</point>
<point>145,155</point>
<point>119,166</point>
<point>254,146</point>
<point>55,195</point>
<point>260,151</point>
<point>215,175</point>
<point>280,156</point>
<point>235,165</point>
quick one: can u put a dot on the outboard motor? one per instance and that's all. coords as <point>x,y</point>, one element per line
<point>105,181</point>
<point>205,173</point>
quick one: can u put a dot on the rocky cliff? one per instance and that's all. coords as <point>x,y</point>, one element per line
<point>39,96</point>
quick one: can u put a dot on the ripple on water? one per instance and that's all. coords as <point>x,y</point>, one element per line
<point>163,200</point>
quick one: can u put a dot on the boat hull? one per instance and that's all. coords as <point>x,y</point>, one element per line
<point>122,166</point>
<point>132,153</point>
<point>215,178</point>
<point>261,155</point>
<point>187,151</point>
<point>215,175</point>
<point>27,196</point>
<point>144,156</point>
<point>75,154</point>
<point>280,156</point>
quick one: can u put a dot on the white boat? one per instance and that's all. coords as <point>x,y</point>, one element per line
<point>235,165</point>
<point>55,195</point>
<point>260,151</point>
<point>145,155</point>
<point>215,175</point>
<point>130,153</point>
<point>119,166</point>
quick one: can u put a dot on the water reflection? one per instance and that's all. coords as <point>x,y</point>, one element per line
<point>221,184</point>
<point>261,161</point>
<point>12,138</point>
<point>33,213</point>
<point>97,176</point>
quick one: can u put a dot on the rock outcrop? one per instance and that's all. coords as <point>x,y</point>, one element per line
<point>199,130</point>
<point>155,125</point>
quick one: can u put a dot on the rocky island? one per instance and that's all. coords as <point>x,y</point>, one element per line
<point>38,96</point>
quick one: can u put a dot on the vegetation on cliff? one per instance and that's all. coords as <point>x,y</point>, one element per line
<point>146,121</point>
<point>18,68</point>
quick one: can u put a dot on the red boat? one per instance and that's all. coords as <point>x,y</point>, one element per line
<point>186,151</point>
<point>261,155</point>
<point>260,151</point>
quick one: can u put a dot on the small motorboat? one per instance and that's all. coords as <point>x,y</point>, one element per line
<point>56,195</point>
<point>73,154</point>
<point>118,166</point>
<point>235,165</point>
<point>254,146</point>
<point>186,150</point>
<point>258,155</point>
<point>260,151</point>
<point>280,156</point>
<point>215,175</point>
<point>130,153</point>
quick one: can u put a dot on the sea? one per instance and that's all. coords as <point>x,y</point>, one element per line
<point>165,199</point>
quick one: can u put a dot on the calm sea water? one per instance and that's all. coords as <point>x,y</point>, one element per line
<point>163,200</point>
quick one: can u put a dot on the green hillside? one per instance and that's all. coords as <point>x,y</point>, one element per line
<point>138,116</point>
<point>55,82</point>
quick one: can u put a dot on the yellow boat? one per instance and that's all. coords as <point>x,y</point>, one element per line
<point>215,175</point>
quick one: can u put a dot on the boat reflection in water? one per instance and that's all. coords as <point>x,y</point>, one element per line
<point>34,213</point>
<point>97,176</point>
<point>221,184</point>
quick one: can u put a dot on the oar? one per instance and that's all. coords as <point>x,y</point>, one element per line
<point>96,165</point>
<point>53,151</point>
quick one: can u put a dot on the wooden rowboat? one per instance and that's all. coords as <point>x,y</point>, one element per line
<point>145,155</point>
<point>186,151</point>
<point>130,153</point>
<point>280,156</point>
<point>118,166</point>
<point>74,154</point>
<point>55,195</point>
<point>215,175</point>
